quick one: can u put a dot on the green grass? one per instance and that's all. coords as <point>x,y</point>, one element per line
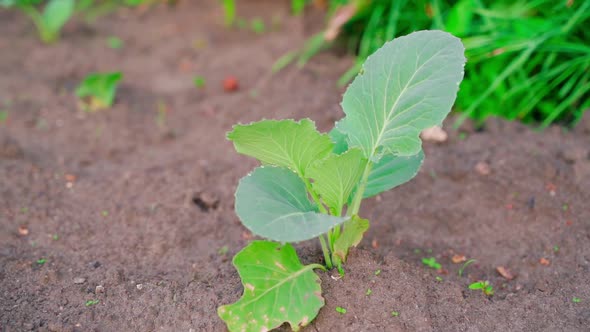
<point>527,60</point>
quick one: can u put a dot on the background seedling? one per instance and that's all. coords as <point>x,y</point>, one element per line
<point>49,20</point>
<point>90,303</point>
<point>97,91</point>
<point>41,261</point>
<point>3,116</point>
<point>394,313</point>
<point>257,25</point>
<point>199,82</point>
<point>340,310</point>
<point>311,184</point>
<point>485,287</point>
<point>115,42</point>
<point>576,300</point>
<point>431,263</point>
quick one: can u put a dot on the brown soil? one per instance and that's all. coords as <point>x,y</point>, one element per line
<point>141,207</point>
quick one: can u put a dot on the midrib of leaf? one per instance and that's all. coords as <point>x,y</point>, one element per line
<point>289,278</point>
<point>390,115</point>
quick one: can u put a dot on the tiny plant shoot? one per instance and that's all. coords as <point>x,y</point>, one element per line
<point>485,287</point>
<point>50,20</point>
<point>97,91</point>
<point>311,185</point>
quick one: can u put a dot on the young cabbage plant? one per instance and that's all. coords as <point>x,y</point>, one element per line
<point>48,21</point>
<point>311,185</point>
<point>97,91</point>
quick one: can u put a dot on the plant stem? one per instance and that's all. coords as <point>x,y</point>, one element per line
<point>315,196</point>
<point>358,197</point>
<point>326,252</point>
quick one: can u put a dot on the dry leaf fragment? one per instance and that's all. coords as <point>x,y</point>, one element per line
<point>342,15</point>
<point>458,259</point>
<point>544,261</point>
<point>23,230</point>
<point>374,244</point>
<point>504,272</point>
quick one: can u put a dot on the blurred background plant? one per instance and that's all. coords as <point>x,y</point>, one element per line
<point>527,60</point>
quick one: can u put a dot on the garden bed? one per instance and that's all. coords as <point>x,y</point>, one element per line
<point>123,220</point>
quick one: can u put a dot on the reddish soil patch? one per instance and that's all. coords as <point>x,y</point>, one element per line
<point>131,209</point>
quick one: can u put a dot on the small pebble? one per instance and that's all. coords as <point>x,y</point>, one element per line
<point>79,280</point>
<point>139,286</point>
<point>99,289</point>
<point>95,264</point>
<point>483,168</point>
<point>434,134</point>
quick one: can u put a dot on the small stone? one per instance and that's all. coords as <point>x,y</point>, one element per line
<point>206,201</point>
<point>139,286</point>
<point>23,230</point>
<point>544,261</point>
<point>79,280</point>
<point>483,168</point>
<point>434,134</point>
<point>99,289</point>
<point>95,264</point>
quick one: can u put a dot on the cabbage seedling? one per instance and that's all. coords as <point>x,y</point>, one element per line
<point>97,91</point>
<point>311,184</point>
<point>48,21</point>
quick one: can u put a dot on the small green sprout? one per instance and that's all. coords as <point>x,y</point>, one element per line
<point>199,82</point>
<point>417,251</point>
<point>565,207</point>
<point>378,272</point>
<point>55,237</point>
<point>97,91</point>
<point>341,310</point>
<point>485,287</point>
<point>555,248</point>
<point>50,20</point>
<point>431,263</point>
<point>90,303</point>
<point>576,300</point>
<point>41,261</point>
<point>394,313</point>
<point>462,136</point>
<point>104,213</point>
<point>439,279</point>
<point>24,209</point>
<point>469,262</point>
<point>115,42</point>
<point>257,25</point>
<point>3,116</point>
<point>369,292</point>
<point>223,250</point>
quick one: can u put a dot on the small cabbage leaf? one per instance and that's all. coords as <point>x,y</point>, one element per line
<point>277,289</point>
<point>336,176</point>
<point>392,171</point>
<point>285,143</point>
<point>272,202</point>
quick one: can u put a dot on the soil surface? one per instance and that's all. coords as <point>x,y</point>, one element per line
<point>132,208</point>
